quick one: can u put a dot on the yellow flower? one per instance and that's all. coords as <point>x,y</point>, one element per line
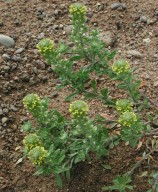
<point>31,141</point>
<point>78,109</point>
<point>127,119</point>
<point>77,9</point>
<point>45,46</point>
<point>32,102</point>
<point>37,155</point>
<point>123,105</point>
<point>120,67</point>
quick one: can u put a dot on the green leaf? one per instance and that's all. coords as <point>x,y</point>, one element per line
<point>111,55</point>
<point>108,167</point>
<point>27,126</point>
<point>94,86</point>
<point>89,95</point>
<point>69,97</point>
<point>75,58</point>
<point>104,92</point>
<point>59,180</point>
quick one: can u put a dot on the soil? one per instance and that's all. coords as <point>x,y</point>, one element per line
<point>29,21</point>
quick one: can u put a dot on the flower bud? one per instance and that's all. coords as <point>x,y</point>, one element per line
<point>37,155</point>
<point>32,102</point>
<point>127,119</point>
<point>45,46</point>
<point>31,141</point>
<point>78,109</point>
<point>123,105</point>
<point>120,67</point>
<point>77,9</point>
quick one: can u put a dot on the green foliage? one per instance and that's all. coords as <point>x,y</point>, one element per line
<point>55,144</point>
<point>121,183</point>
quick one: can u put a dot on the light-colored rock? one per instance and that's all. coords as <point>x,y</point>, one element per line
<point>6,41</point>
<point>108,38</point>
<point>68,29</point>
<point>143,19</point>
<point>115,5</point>
<point>135,53</point>
<point>4,120</point>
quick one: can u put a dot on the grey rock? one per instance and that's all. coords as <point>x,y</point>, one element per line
<point>68,29</point>
<point>143,19</point>
<point>16,58</point>
<point>6,57</point>
<point>1,111</point>
<point>135,53</point>
<point>108,38</point>
<point>20,50</point>
<point>33,81</point>
<point>155,84</point>
<point>55,26</point>
<point>6,68</point>
<point>4,120</point>
<point>41,36</point>
<point>6,41</point>
<point>89,14</point>
<point>13,108</point>
<point>5,110</point>
<point>35,70</point>
<point>115,5</point>
<point>25,77</point>
<point>54,94</point>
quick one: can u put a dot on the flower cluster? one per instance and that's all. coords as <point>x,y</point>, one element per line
<point>45,46</point>
<point>120,67</point>
<point>31,141</point>
<point>37,155</point>
<point>127,119</point>
<point>32,102</point>
<point>123,105</point>
<point>78,109</point>
<point>77,9</point>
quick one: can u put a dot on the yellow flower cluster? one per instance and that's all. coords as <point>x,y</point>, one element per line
<point>127,119</point>
<point>31,141</point>
<point>32,102</point>
<point>78,9</point>
<point>120,67</point>
<point>123,105</point>
<point>45,46</point>
<point>37,155</point>
<point>78,109</point>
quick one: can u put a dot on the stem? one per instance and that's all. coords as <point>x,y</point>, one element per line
<point>151,101</point>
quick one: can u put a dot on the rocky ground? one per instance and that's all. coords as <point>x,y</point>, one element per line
<point>129,27</point>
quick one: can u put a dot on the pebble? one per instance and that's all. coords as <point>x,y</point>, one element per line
<point>25,77</point>
<point>115,5</point>
<point>1,111</point>
<point>156,84</point>
<point>108,38</point>
<point>6,68</point>
<point>41,36</point>
<point>16,58</point>
<point>143,19</point>
<point>54,94</point>
<point>6,57</point>
<point>13,108</point>
<point>4,120</point>
<point>68,29</point>
<point>135,53</point>
<point>20,50</point>
<point>6,41</point>
<point>5,110</point>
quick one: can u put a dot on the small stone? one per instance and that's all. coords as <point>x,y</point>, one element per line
<point>35,70</point>
<point>6,41</point>
<point>54,94</point>
<point>1,111</point>
<point>20,50</point>
<point>135,53</point>
<point>108,38</point>
<point>16,58</point>
<point>13,108</point>
<point>41,36</point>
<point>56,12</point>
<point>6,68</point>
<point>115,5</point>
<point>68,29</point>
<point>143,19</point>
<point>25,77</point>
<point>146,41</point>
<point>5,110</point>
<point>55,26</point>
<point>89,14</point>
<point>4,120</point>
<point>156,84</point>
<point>6,57</point>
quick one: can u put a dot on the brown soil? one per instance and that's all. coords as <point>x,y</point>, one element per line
<point>19,20</point>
